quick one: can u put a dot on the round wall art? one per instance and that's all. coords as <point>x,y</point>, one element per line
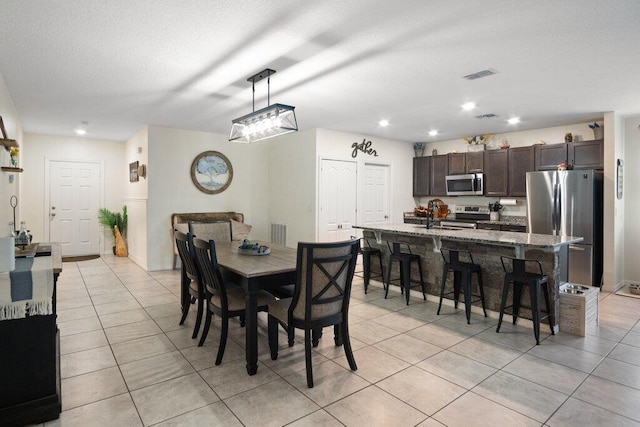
<point>211,172</point>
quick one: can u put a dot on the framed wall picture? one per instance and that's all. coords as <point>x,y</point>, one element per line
<point>133,172</point>
<point>211,172</point>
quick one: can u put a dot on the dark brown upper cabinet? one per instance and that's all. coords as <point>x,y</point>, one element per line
<point>586,154</point>
<point>457,163</point>
<point>439,170</point>
<point>521,161</point>
<point>548,157</point>
<point>496,178</point>
<point>421,176</point>
<point>475,162</point>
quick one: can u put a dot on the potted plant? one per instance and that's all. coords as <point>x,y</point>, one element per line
<point>117,223</point>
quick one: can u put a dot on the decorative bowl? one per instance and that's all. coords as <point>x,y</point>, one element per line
<point>634,288</point>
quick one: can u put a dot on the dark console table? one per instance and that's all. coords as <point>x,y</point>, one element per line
<point>30,358</point>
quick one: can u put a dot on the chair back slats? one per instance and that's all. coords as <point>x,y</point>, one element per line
<point>324,277</point>
<point>207,262</point>
<point>218,231</point>
<point>183,243</point>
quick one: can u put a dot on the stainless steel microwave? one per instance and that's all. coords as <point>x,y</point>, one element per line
<point>465,185</point>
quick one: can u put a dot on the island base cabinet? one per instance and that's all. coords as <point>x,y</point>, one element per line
<point>29,371</point>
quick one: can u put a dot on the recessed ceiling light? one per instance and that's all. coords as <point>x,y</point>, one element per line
<point>513,120</point>
<point>383,123</point>
<point>82,129</point>
<point>433,132</point>
<point>468,106</point>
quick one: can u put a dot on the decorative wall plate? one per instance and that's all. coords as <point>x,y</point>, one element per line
<point>211,172</point>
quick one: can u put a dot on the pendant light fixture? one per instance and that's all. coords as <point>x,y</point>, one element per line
<point>273,120</point>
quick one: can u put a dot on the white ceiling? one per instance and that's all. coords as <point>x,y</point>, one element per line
<point>123,64</point>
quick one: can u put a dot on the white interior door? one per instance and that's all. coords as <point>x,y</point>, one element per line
<point>338,183</point>
<point>74,200</point>
<point>375,202</point>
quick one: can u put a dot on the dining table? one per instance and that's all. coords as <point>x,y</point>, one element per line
<point>255,272</point>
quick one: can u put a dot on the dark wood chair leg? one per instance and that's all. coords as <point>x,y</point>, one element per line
<point>272,326</point>
<point>185,311</point>
<point>456,288</point>
<point>423,286</point>
<point>223,339</point>
<point>196,328</point>
<point>205,331</point>
<point>242,322</point>
<point>307,357</point>
<point>315,337</point>
<point>337,335</point>
<point>405,280</point>
<point>386,291</point>
<point>366,267</point>
<point>344,326</point>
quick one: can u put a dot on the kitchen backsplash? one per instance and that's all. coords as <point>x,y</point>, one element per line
<point>518,210</point>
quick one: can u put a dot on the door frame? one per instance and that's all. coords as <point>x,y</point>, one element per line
<point>47,194</point>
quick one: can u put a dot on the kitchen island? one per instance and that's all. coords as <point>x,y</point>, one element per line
<point>486,246</point>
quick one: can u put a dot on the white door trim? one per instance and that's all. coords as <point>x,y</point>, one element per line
<point>47,191</point>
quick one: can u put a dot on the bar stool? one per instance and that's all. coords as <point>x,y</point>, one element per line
<point>519,276</point>
<point>404,259</point>
<point>367,251</point>
<point>462,274</point>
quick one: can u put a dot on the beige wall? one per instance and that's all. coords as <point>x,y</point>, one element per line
<point>8,189</point>
<point>38,149</point>
<point>136,196</point>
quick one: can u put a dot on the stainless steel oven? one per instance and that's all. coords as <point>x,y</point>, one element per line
<point>465,185</point>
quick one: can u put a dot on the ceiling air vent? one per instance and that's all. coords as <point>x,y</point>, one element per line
<point>480,74</point>
<point>486,116</point>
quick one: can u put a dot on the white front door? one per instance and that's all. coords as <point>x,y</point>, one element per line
<point>338,184</point>
<point>74,200</point>
<point>375,201</point>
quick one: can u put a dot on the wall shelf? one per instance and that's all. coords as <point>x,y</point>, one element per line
<point>10,169</point>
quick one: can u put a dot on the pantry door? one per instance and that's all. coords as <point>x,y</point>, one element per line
<point>74,199</point>
<point>375,201</point>
<point>338,185</point>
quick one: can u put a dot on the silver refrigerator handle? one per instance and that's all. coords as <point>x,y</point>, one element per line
<point>554,212</point>
<point>559,211</point>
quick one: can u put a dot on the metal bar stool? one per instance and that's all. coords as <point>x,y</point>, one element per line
<point>367,251</point>
<point>519,276</point>
<point>462,274</point>
<point>404,259</point>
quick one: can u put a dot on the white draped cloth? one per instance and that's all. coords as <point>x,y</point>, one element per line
<point>28,290</point>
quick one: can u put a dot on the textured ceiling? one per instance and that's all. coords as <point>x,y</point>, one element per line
<point>121,65</point>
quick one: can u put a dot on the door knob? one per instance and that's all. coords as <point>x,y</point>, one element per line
<point>386,217</point>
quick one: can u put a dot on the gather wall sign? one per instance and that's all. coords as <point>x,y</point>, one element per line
<point>365,147</point>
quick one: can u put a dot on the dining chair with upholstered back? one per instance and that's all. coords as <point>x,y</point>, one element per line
<point>321,297</point>
<point>224,299</point>
<point>191,284</point>
<point>218,231</point>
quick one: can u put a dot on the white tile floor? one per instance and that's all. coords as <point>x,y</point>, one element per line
<point>126,361</point>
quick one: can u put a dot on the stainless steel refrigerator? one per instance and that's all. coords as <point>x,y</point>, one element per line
<point>569,203</point>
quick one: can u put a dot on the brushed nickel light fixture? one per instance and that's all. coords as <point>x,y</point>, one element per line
<point>273,120</point>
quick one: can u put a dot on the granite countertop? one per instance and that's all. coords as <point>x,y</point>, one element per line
<point>494,237</point>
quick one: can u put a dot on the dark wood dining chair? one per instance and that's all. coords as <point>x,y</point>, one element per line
<point>192,288</point>
<point>222,298</point>
<point>321,297</point>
